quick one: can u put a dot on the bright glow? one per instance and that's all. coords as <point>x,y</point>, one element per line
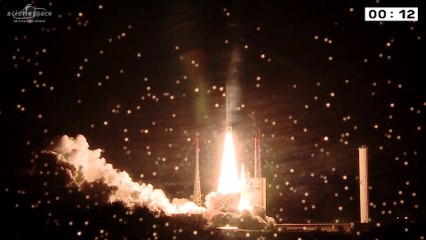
<point>244,199</point>
<point>228,180</point>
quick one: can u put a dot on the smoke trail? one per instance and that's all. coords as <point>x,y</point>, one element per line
<point>88,165</point>
<point>232,86</point>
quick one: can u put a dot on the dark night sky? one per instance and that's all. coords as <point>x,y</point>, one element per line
<point>139,78</point>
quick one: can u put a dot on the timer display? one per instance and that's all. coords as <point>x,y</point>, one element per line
<point>391,14</point>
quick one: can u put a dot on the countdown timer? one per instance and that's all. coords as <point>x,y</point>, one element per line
<point>391,14</point>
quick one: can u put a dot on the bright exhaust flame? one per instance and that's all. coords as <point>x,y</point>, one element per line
<point>229,182</point>
<point>244,199</point>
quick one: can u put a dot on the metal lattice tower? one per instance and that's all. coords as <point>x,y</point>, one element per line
<point>257,172</point>
<point>197,183</point>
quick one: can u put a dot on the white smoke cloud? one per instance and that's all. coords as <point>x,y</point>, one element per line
<point>222,210</point>
<point>88,165</point>
<point>217,202</point>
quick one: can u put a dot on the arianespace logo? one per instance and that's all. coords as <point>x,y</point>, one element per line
<point>30,14</point>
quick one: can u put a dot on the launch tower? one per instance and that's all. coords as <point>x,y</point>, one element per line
<point>197,184</point>
<point>257,184</point>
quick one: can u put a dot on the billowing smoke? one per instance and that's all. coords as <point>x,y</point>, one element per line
<point>222,210</point>
<point>86,165</point>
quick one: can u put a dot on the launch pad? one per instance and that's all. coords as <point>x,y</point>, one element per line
<point>299,227</point>
<point>316,227</point>
<point>232,217</point>
<point>256,186</point>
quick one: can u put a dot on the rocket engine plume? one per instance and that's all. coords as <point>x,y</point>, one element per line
<point>228,180</point>
<point>88,165</point>
<point>244,199</point>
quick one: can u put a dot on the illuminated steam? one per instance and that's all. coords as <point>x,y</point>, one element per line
<point>222,208</point>
<point>88,165</point>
